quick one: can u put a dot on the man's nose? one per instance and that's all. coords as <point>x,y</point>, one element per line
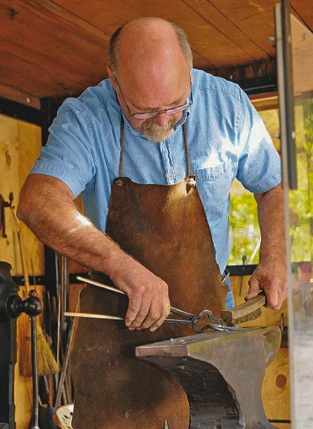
<point>162,119</point>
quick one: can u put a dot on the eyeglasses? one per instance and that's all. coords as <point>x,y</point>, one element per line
<point>150,115</point>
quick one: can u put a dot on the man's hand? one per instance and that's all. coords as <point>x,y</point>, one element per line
<point>149,303</point>
<point>270,276</point>
<point>271,273</point>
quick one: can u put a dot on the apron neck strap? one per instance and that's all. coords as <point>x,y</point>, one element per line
<point>186,149</point>
<point>120,170</point>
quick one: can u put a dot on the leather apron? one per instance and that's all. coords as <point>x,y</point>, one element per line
<point>165,228</point>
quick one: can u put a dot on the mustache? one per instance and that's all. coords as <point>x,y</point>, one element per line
<point>157,133</point>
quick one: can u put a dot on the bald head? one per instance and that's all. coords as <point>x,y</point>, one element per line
<point>147,31</point>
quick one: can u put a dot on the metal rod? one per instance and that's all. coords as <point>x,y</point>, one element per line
<point>94,283</point>
<point>181,312</point>
<point>63,293</point>
<point>58,294</point>
<point>108,317</point>
<point>57,279</point>
<point>35,414</point>
<point>92,316</point>
<point>69,344</point>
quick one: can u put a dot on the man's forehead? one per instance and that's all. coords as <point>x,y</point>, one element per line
<point>156,92</point>
<point>154,71</point>
<point>176,102</point>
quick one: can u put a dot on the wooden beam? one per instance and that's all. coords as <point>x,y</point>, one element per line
<point>302,48</point>
<point>253,18</point>
<point>55,9</point>
<point>224,25</point>
<point>45,51</point>
<point>258,76</point>
<point>304,10</point>
<point>19,96</point>
<point>105,15</point>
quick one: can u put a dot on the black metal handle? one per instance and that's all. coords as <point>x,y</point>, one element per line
<point>32,306</point>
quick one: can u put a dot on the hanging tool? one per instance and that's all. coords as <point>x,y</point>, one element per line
<point>11,307</point>
<point>46,362</point>
<point>63,291</point>
<point>64,416</point>
<point>229,318</point>
<point>38,307</point>
<point>4,204</point>
<point>69,345</point>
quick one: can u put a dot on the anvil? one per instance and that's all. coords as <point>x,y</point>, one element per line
<point>221,373</point>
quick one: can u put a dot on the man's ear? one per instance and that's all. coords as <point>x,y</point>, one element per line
<point>111,77</point>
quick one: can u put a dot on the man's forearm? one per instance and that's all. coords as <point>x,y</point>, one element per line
<point>47,207</point>
<point>271,274</point>
<point>272,225</point>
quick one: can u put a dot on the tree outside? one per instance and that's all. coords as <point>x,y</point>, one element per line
<point>244,228</point>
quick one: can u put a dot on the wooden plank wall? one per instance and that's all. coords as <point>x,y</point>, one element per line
<point>20,144</point>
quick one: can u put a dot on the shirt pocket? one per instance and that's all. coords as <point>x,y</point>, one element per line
<point>213,184</point>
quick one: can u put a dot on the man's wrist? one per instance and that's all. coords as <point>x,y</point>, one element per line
<point>115,260</point>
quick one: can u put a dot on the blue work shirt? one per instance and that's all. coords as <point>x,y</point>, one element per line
<point>226,138</point>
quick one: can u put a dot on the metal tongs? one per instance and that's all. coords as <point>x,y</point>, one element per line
<point>190,319</point>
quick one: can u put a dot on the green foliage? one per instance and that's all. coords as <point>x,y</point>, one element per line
<point>243,215</point>
<point>301,200</point>
<point>244,228</point>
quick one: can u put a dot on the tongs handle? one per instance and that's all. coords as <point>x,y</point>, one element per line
<point>182,313</point>
<point>114,289</point>
<point>191,319</point>
<point>103,286</point>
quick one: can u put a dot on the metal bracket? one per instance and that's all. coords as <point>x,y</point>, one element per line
<point>3,205</point>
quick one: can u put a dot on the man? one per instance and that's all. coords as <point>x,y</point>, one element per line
<point>181,136</point>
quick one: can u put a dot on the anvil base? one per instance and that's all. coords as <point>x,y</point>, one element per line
<point>222,374</point>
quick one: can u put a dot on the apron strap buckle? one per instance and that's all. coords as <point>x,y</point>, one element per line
<point>191,182</point>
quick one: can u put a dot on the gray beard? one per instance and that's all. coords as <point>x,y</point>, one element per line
<point>156,133</point>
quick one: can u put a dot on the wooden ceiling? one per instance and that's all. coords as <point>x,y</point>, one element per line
<point>59,47</point>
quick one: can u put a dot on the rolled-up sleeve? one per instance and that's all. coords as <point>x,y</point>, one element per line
<point>259,166</point>
<point>68,154</point>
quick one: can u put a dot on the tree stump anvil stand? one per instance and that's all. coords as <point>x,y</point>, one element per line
<point>222,374</point>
